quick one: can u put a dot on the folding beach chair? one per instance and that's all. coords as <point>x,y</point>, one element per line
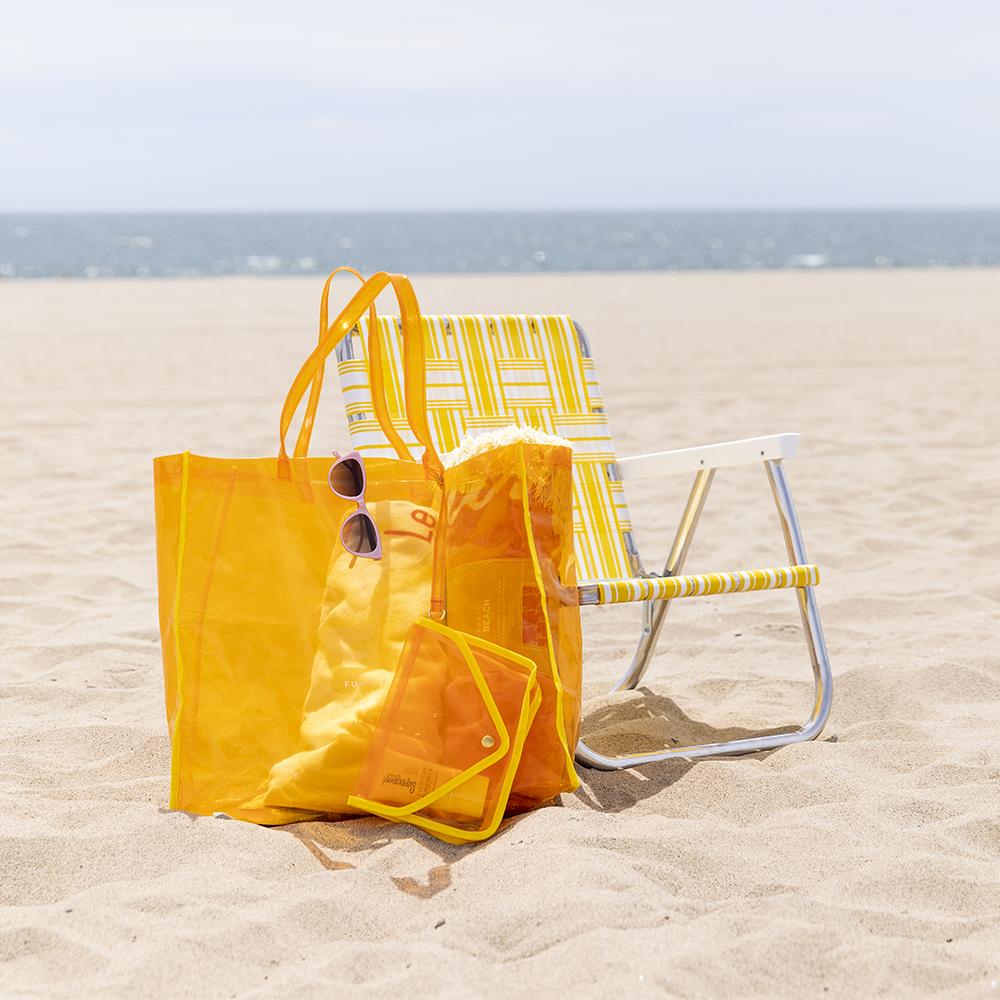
<point>486,372</point>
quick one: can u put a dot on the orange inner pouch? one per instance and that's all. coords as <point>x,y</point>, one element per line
<point>450,735</point>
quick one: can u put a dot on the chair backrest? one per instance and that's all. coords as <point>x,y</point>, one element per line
<point>485,372</point>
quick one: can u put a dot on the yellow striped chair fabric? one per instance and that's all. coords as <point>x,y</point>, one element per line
<point>485,372</point>
<point>669,588</point>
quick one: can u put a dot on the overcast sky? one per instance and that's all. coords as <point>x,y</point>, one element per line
<point>418,104</point>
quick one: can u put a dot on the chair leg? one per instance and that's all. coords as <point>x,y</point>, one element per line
<point>811,624</point>
<point>815,642</point>
<point>656,611</point>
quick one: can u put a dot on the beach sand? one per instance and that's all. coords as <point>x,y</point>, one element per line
<point>865,864</point>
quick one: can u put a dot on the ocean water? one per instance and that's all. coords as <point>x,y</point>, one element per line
<point>98,246</point>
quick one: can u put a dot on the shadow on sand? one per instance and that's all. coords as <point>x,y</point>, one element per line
<point>638,722</point>
<point>628,723</point>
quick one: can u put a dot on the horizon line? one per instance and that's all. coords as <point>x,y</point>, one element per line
<point>804,209</point>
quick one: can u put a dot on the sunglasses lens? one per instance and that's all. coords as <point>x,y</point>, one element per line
<point>347,479</point>
<point>359,534</point>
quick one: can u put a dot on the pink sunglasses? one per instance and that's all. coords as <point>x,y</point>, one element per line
<point>358,531</point>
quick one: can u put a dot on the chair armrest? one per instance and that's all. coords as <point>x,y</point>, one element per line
<point>709,456</point>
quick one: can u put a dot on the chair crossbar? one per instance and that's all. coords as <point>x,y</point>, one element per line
<point>668,588</point>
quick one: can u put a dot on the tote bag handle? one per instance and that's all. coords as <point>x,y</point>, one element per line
<point>305,431</point>
<point>414,363</point>
<point>378,384</point>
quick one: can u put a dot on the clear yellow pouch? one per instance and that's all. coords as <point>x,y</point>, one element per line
<point>450,736</point>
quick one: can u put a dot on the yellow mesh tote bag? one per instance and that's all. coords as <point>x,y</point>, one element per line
<point>302,681</point>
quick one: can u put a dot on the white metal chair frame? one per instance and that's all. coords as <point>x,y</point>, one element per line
<point>704,461</point>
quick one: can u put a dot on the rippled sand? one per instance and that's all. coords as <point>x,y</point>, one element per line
<point>863,864</point>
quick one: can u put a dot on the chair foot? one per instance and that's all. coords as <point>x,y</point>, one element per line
<point>731,748</point>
